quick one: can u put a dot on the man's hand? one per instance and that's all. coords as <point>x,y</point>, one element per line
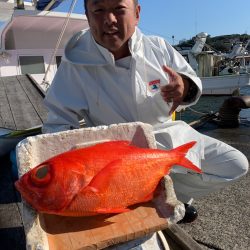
<point>176,90</point>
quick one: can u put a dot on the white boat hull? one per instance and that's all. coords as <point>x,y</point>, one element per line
<point>224,85</point>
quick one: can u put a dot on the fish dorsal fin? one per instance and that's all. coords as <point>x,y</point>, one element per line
<point>116,145</point>
<point>113,144</point>
<point>101,180</point>
<point>119,143</point>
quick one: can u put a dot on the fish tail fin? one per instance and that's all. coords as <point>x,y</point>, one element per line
<point>188,164</point>
<point>185,147</point>
<point>184,162</point>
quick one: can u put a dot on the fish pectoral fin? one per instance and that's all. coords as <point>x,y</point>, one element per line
<point>112,210</point>
<point>103,178</point>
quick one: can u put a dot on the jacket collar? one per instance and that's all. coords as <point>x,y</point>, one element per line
<point>82,49</point>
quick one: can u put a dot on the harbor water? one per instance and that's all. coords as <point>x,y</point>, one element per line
<point>212,104</point>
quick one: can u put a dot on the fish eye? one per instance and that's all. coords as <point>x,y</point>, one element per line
<point>41,175</point>
<point>42,172</point>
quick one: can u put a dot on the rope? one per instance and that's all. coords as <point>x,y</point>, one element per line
<point>205,117</point>
<point>197,112</point>
<point>59,41</point>
<point>163,240</point>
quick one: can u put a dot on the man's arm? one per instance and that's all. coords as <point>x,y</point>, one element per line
<point>64,101</point>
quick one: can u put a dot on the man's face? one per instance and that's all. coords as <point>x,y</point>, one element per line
<point>112,23</point>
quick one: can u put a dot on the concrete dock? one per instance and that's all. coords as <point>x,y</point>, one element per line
<point>223,221</point>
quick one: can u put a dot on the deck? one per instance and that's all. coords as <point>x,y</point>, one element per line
<point>223,221</point>
<point>21,103</point>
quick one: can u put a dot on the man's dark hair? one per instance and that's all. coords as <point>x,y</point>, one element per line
<point>85,4</point>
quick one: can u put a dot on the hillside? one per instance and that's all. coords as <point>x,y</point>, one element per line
<point>219,43</point>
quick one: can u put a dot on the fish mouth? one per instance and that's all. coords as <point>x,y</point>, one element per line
<point>27,197</point>
<point>18,186</point>
<point>20,189</point>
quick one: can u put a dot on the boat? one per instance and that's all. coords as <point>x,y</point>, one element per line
<point>32,42</point>
<point>225,84</point>
<point>220,73</point>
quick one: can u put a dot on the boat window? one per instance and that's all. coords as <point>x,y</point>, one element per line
<point>58,60</point>
<point>32,64</point>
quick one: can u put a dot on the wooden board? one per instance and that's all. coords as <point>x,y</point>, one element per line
<point>98,232</point>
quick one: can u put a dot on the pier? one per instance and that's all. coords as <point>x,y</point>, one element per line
<point>21,103</point>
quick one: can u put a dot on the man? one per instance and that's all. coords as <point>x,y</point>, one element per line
<point>112,73</point>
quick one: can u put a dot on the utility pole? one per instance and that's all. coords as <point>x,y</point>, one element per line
<point>173,39</point>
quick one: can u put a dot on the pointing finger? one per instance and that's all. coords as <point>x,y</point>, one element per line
<point>174,107</point>
<point>169,71</point>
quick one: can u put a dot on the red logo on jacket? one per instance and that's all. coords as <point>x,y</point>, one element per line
<point>154,85</point>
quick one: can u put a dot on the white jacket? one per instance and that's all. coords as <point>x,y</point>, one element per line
<point>90,86</point>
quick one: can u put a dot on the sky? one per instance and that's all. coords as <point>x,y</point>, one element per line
<point>184,19</point>
<point>178,20</point>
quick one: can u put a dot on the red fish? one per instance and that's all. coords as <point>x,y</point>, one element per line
<point>104,178</point>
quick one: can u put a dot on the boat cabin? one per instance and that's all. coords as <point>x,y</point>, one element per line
<point>29,39</point>
<point>207,63</point>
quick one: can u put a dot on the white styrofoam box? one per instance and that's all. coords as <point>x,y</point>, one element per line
<point>36,149</point>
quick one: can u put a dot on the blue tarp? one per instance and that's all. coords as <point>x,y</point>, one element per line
<point>41,4</point>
